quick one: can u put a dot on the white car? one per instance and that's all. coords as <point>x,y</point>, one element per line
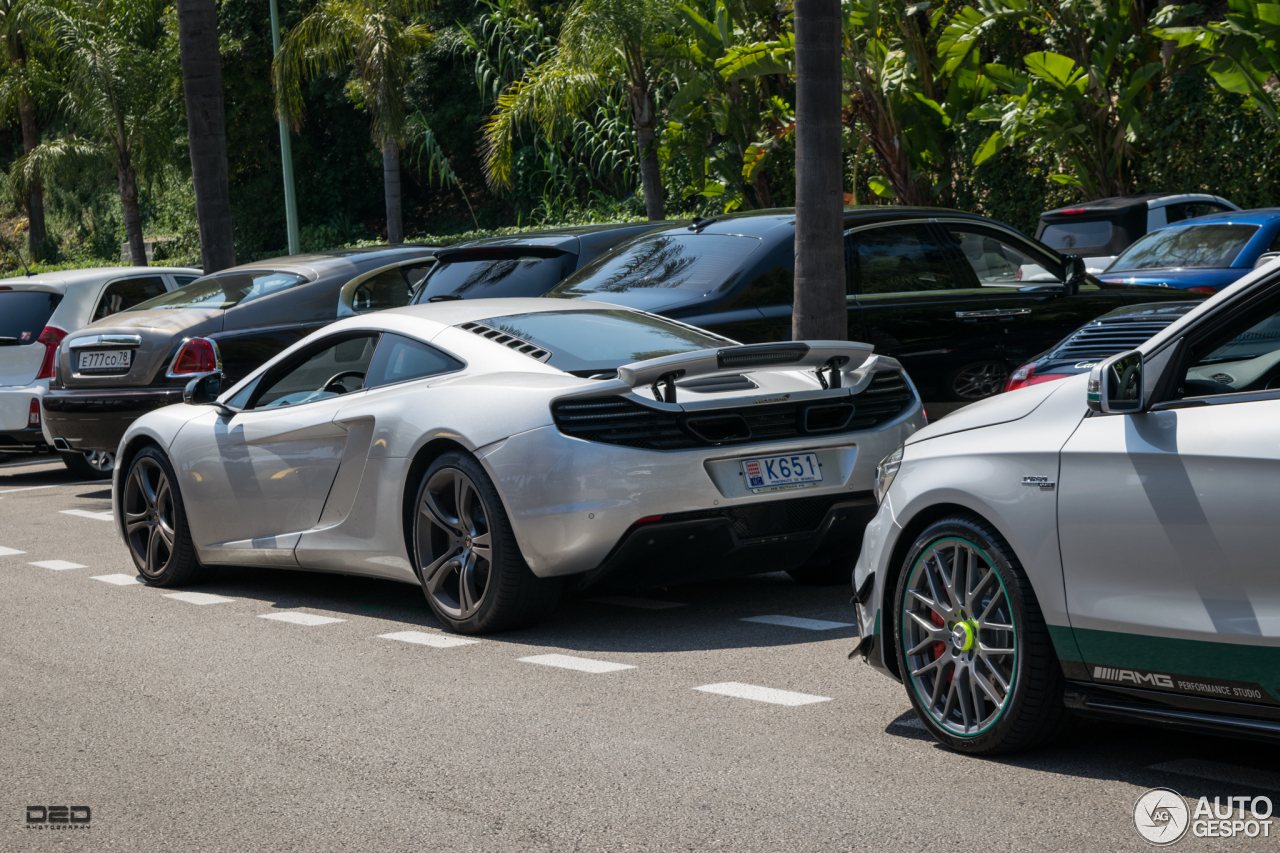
<point>36,313</point>
<point>1104,544</point>
<point>490,448</point>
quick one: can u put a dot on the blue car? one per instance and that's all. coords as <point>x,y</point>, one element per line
<point>1204,254</point>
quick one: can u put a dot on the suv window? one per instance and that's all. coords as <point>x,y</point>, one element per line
<point>900,259</point>
<point>1244,356</point>
<point>336,368</point>
<point>126,293</point>
<point>993,261</point>
<point>1192,209</point>
<point>703,262</point>
<point>400,359</point>
<point>1077,236</point>
<point>513,275</point>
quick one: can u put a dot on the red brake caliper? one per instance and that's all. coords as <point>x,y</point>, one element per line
<point>938,647</point>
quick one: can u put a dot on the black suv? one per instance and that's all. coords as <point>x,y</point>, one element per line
<point>959,299</point>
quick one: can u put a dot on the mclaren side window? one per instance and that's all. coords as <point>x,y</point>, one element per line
<point>401,359</point>
<point>328,369</point>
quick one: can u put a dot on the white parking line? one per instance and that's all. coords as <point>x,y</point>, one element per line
<point>642,603</point>
<point>579,664</point>
<point>761,694</point>
<point>1216,771</point>
<point>118,580</point>
<point>301,618</point>
<point>201,598</point>
<point>9,552</point>
<point>50,486</point>
<point>798,622</point>
<point>58,565</point>
<point>84,513</point>
<point>436,641</point>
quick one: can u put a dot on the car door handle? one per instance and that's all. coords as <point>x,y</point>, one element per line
<point>991,312</point>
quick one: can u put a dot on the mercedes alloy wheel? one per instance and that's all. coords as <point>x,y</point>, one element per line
<point>983,379</point>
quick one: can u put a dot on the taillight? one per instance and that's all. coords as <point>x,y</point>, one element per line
<point>198,355</point>
<point>1018,379</point>
<point>50,336</point>
<point>33,413</point>
<point>1201,289</point>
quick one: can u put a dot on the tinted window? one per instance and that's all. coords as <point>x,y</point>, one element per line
<point>1190,247</point>
<point>602,341</point>
<point>387,289</point>
<point>183,280</point>
<point>475,279</point>
<point>400,359</point>
<point>993,261</point>
<point>901,259</point>
<point>1190,210</point>
<point>23,315</point>
<point>224,291</point>
<point>689,261</point>
<point>1072,236</point>
<point>338,368</point>
<point>123,295</point>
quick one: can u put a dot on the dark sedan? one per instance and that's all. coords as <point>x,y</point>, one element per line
<point>959,299</point>
<point>113,371</point>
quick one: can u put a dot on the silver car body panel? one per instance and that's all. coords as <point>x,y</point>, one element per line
<point>322,485</point>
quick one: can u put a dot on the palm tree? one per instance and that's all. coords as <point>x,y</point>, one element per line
<point>111,54</point>
<point>15,24</point>
<point>378,39</point>
<point>206,130</point>
<point>820,311</point>
<point>600,42</point>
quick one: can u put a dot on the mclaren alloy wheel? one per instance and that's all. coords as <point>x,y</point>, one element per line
<point>472,572</point>
<point>155,522</point>
<point>972,647</point>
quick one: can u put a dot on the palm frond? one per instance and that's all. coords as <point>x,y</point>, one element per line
<point>48,159</point>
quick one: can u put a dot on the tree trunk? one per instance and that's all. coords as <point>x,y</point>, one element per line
<point>391,185</point>
<point>132,217</point>
<point>820,311</point>
<point>643,116</point>
<point>30,139</point>
<point>206,130</point>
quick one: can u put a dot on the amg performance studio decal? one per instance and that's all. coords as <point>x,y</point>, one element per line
<point>1191,685</point>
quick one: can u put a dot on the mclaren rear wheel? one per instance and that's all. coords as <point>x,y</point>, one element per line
<point>972,646</point>
<point>473,574</point>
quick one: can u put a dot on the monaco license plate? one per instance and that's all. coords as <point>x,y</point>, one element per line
<point>781,472</point>
<point>105,361</point>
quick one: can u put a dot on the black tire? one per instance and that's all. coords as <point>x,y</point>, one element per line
<point>156,529</point>
<point>473,586</point>
<point>1030,710</point>
<point>85,468</point>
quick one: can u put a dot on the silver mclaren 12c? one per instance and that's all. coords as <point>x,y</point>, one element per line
<point>490,450</point>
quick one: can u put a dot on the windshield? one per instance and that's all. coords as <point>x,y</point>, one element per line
<point>590,342</point>
<point>1191,247</point>
<point>23,315</point>
<point>224,290</point>
<point>496,277</point>
<point>701,262</point>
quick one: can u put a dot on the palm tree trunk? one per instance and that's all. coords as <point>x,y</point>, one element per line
<point>30,139</point>
<point>643,116</point>
<point>132,217</point>
<point>206,130</point>
<point>820,310</point>
<point>391,186</point>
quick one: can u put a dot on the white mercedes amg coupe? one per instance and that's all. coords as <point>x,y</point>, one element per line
<point>491,449</point>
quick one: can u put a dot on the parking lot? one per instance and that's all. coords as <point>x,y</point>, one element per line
<point>294,710</point>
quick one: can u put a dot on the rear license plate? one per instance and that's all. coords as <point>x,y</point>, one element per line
<point>105,361</point>
<point>781,472</point>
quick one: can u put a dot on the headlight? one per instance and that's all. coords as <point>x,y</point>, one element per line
<point>885,472</point>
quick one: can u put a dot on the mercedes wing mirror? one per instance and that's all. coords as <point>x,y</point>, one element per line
<point>1074,273</point>
<point>204,391</point>
<point>1115,385</point>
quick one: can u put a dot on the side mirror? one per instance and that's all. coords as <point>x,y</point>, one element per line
<point>1115,385</point>
<point>203,391</point>
<point>1073,273</point>
<point>1265,258</point>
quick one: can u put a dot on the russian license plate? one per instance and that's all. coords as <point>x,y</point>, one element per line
<point>105,361</point>
<point>781,472</point>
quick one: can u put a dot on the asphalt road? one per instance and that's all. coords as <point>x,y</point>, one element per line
<point>206,727</point>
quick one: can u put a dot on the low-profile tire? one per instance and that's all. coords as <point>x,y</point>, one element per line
<point>155,518</point>
<point>473,574</point>
<point>972,645</point>
<point>91,465</point>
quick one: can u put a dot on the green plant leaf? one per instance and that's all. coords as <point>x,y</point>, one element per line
<point>880,186</point>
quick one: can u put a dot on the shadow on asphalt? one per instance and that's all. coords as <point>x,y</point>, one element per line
<point>710,619</point>
<point>43,470</point>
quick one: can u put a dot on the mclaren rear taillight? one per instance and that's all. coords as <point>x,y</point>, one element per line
<point>198,355</point>
<point>50,336</point>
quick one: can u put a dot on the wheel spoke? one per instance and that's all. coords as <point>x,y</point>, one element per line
<point>463,492</point>
<point>962,699</point>
<point>949,705</point>
<point>480,544</point>
<point>985,650</point>
<point>986,688</point>
<point>996,674</point>
<point>166,533</point>
<point>431,505</point>
<point>435,574</point>
<point>993,604</point>
<point>153,552</point>
<point>925,625</point>
<point>975,696</point>
<point>994,626</point>
<point>468,598</point>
